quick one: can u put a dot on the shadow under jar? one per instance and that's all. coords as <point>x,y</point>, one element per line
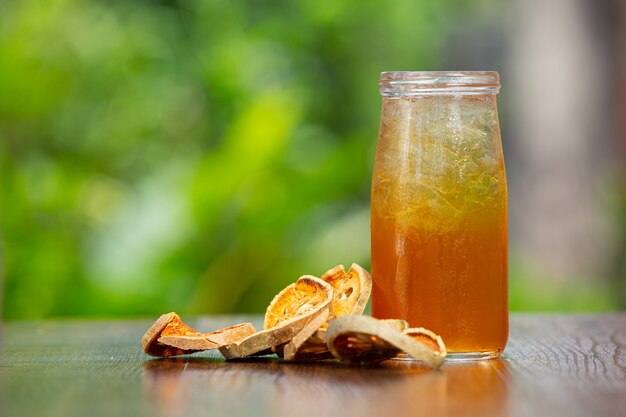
<point>439,210</point>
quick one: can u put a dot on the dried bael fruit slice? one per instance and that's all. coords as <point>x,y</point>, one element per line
<point>150,342</point>
<point>169,336</point>
<point>315,348</point>
<point>266,341</point>
<point>429,339</point>
<point>206,341</point>
<point>352,289</point>
<point>366,340</point>
<point>304,296</point>
<point>289,312</point>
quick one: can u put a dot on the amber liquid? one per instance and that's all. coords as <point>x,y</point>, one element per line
<point>439,228</point>
<point>454,282</point>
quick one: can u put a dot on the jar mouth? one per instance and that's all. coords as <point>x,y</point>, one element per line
<point>409,83</point>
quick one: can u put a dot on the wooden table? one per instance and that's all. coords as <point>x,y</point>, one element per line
<point>554,365</point>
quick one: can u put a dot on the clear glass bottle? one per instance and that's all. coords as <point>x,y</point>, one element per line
<point>439,209</point>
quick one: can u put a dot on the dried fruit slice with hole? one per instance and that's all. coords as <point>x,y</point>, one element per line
<point>169,336</point>
<point>289,312</point>
<point>352,289</point>
<point>305,295</point>
<point>432,340</point>
<point>366,340</point>
<point>315,348</point>
<point>206,341</point>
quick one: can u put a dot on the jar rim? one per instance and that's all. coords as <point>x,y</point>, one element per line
<point>402,83</point>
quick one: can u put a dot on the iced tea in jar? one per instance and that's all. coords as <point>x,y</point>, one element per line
<point>439,209</point>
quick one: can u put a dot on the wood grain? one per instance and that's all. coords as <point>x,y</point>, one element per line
<point>553,366</point>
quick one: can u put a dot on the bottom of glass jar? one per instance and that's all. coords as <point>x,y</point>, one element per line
<point>459,356</point>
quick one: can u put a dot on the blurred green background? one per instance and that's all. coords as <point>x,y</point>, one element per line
<point>197,156</point>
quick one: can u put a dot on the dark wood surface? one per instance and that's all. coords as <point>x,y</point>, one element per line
<point>554,365</point>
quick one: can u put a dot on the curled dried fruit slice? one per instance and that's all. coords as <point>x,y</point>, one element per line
<point>366,340</point>
<point>169,336</point>
<point>301,298</point>
<point>290,311</point>
<point>264,342</point>
<point>205,341</point>
<point>352,289</point>
<point>315,348</point>
<point>150,342</point>
<point>429,339</point>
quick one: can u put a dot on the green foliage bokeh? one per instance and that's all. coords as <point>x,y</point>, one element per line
<point>192,155</point>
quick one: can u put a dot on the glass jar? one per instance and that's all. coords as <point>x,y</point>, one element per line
<point>439,209</point>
